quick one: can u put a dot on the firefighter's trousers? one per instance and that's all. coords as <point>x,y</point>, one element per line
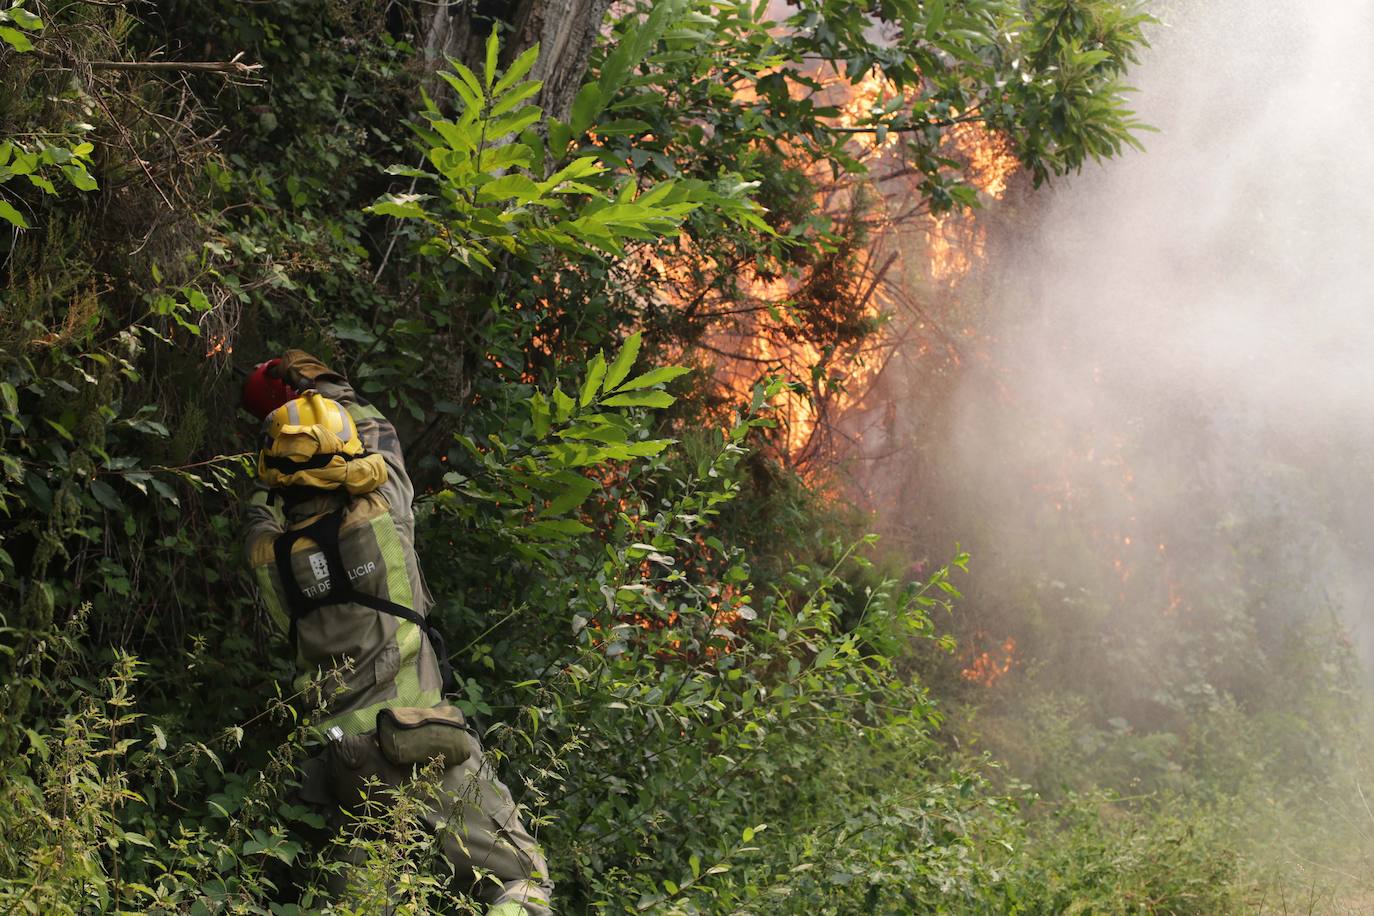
<point>493,857</point>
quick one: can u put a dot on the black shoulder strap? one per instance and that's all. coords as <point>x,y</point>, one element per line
<point>324,531</point>
<point>314,462</point>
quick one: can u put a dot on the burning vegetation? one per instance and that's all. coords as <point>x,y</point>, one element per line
<point>988,667</point>
<point>830,313</point>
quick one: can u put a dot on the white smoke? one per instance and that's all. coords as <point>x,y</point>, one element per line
<point>1210,301</point>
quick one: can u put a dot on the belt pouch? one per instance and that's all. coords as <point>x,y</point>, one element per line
<point>410,735</point>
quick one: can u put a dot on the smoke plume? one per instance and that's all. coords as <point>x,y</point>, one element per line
<point>1166,397</point>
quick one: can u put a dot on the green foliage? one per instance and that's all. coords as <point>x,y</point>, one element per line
<point>36,157</point>
<point>14,22</point>
<point>495,190</point>
<point>692,674</point>
<point>1044,74</point>
<point>539,477</point>
<point>1097,856</point>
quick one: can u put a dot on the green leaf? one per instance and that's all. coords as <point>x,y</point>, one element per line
<point>40,744</point>
<point>560,135</point>
<point>563,405</point>
<point>539,415</point>
<point>655,377</point>
<point>572,496</point>
<point>106,496</point>
<point>60,430</point>
<point>79,177</point>
<point>401,206</point>
<point>501,158</point>
<point>513,98</point>
<point>151,427</point>
<point>165,491</point>
<point>8,213</point>
<point>518,187</point>
<point>357,335</point>
<point>595,373</point>
<point>461,138</point>
<point>465,84</point>
<point>518,68</point>
<point>640,399</point>
<point>262,844</point>
<point>935,16</point>
<point>406,171</point>
<point>24,19</point>
<point>585,108</point>
<point>645,448</point>
<point>581,167</point>
<point>623,363</point>
<point>599,432</point>
<point>622,127</point>
<point>635,45</point>
<point>16,39</point>
<point>24,163</point>
<point>493,52</point>
<point>557,527</point>
<point>513,123</point>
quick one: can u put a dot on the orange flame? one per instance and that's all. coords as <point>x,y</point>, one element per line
<point>986,669</point>
<point>755,328</point>
<point>217,344</point>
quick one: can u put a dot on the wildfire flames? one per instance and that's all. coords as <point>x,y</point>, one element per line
<point>217,344</point>
<point>766,333</point>
<point>987,668</point>
<point>908,267</point>
<point>956,244</point>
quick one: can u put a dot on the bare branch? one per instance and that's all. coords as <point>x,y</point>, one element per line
<point>235,67</point>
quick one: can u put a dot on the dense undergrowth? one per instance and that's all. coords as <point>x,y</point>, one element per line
<point>693,668</point>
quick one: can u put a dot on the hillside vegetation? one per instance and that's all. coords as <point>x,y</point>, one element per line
<point>706,685</point>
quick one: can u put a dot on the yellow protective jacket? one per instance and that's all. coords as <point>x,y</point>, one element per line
<point>377,659</point>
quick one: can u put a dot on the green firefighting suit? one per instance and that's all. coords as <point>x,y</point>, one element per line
<point>380,660</point>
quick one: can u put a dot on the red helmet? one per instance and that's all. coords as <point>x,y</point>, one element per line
<point>264,392</point>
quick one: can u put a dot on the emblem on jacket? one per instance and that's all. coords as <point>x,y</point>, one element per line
<point>320,567</point>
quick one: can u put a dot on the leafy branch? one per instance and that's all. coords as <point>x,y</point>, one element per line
<point>37,160</point>
<point>493,193</point>
<point>539,477</point>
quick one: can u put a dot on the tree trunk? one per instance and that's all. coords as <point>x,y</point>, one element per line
<point>565,31</point>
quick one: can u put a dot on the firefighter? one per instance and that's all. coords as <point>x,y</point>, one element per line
<point>331,542</point>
